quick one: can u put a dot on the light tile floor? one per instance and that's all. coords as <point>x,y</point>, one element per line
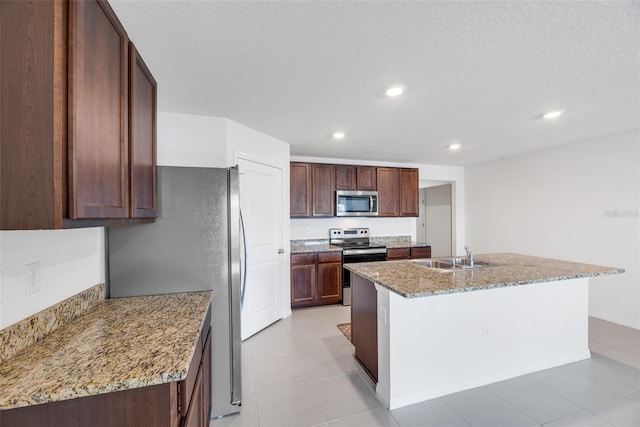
<point>300,372</point>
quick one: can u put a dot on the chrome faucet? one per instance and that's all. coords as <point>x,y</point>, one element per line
<point>469,255</point>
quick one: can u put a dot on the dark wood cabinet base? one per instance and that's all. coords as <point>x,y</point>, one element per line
<point>316,279</point>
<point>148,406</point>
<point>364,323</point>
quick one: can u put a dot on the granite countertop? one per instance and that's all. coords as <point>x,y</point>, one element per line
<point>316,245</point>
<point>322,245</point>
<point>392,245</point>
<point>120,344</point>
<point>412,281</point>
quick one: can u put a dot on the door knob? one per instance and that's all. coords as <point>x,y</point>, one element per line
<point>280,251</point>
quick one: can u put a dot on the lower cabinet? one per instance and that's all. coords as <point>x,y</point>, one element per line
<point>174,404</point>
<point>316,279</point>
<point>421,252</point>
<point>398,253</point>
<point>198,386</point>
<point>407,253</point>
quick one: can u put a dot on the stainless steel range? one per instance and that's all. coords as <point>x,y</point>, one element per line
<point>355,248</point>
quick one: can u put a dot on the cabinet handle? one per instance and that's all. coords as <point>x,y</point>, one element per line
<point>280,251</point>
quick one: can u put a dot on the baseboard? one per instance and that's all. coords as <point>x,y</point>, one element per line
<point>614,319</point>
<point>440,390</point>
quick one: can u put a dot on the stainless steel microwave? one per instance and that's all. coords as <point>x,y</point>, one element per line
<point>356,203</point>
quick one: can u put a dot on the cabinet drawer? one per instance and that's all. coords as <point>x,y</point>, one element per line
<point>298,259</point>
<point>421,252</point>
<point>330,257</point>
<point>397,253</point>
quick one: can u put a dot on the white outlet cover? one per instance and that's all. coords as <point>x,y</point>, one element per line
<point>32,280</point>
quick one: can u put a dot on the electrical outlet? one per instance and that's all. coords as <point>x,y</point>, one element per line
<point>307,230</point>
<point>32,283</point>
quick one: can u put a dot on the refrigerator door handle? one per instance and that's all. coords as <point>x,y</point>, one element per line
<point>244,266</point>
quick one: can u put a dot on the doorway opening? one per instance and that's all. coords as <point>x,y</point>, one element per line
<point>436,222</point>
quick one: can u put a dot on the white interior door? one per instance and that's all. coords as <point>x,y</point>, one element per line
<point>261,204</point>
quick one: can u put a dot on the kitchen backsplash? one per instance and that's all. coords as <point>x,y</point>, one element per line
<point>318,228</point>
<point>390,240</point>
<point>382,240</point>
<point>16,337</point>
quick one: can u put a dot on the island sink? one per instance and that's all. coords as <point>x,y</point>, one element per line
<point>452,264</point>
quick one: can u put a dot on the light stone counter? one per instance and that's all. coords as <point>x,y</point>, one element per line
<point>120,344</point>
<point>412,281</point>
<point>315,245</point>
<point>322,245</point>
<point>397,242</point>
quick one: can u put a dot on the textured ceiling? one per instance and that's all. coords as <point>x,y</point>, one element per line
<point>476,72</point>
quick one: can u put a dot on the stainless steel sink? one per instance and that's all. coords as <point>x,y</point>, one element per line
<point>432,263</point>
<point>451,264</point>
<point>465,262</point>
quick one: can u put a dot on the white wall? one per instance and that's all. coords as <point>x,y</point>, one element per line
<point>70,260</point>
<point>189,140</point>
<point>577,202</point>
<point>319,227</point>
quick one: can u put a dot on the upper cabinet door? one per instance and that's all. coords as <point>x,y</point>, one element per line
<point>300,189</point>
<point>324,184</point>
<point>366,178</point>
<point>345,177</point>
<point>142,136</point>
<point>409,198</point>
<point>388,197</point>
<point>98,104</point>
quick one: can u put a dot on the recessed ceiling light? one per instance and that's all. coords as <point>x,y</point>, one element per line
<point>396,90</point>
<point>338,135</point>
<point>455,146</point>
<point>553,114</point>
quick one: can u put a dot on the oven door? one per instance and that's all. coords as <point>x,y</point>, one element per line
<point>346,274</point>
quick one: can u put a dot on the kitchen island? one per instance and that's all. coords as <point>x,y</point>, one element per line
<point>422,332</point>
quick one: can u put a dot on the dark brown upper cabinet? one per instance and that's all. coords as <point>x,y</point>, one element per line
<point>98,112</point>
<point>142,136</point>
<point>68,156</point>
<point>324,196</point>
<point>362,178</point>
<point>313,187</point>
<point>388,194</point>
<point>300,189</point>
<point>366,178</point>
<point>409,198</point>
<point>345,177</point>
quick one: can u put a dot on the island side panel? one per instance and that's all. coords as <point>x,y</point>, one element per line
<point>364,323</point>
<point>445,344</point>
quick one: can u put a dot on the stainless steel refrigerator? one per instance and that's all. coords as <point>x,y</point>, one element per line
<point>193,245</point>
